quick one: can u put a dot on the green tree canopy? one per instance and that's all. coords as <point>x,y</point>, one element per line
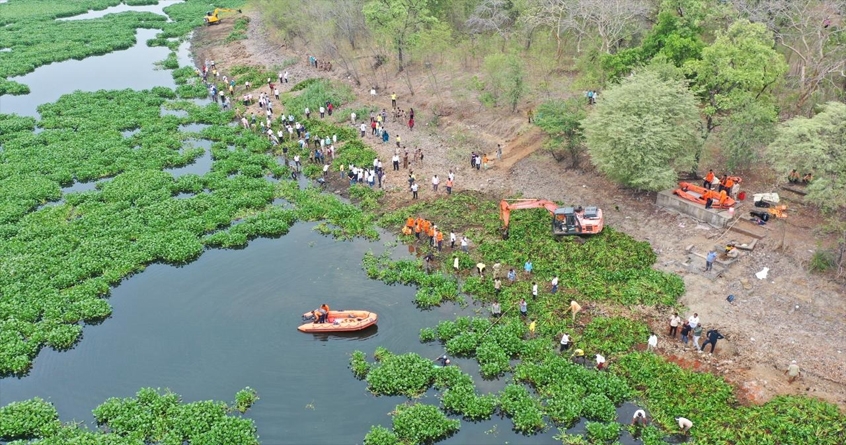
<point>399,22</point>
<point>643,131</point>
<point>741,64</point>
<point>561,120</point>
<point>816,145</point>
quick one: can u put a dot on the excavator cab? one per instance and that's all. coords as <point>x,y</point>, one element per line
<point>565,222</point>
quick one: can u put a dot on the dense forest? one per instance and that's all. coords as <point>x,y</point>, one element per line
<point>683,85</point>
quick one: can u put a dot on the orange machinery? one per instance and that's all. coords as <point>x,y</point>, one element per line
<point>565,220</point>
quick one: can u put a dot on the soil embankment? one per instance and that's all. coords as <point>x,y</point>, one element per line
<point>790,315</point>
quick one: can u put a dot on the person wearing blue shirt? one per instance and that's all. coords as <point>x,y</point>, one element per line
<point>709,260</point>
<point>528,266</point>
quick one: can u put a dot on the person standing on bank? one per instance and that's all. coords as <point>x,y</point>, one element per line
<point>713,335</point>
<point>675,320</point>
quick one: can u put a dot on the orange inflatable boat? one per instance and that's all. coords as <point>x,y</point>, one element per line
<point>340,321</point>
<point>700,195</point>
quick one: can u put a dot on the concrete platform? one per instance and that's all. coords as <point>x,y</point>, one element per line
<point>716,218</point>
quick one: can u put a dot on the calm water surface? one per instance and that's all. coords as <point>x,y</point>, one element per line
<point>228,320</point>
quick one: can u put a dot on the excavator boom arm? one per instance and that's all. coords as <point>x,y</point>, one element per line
<point>506,207</point>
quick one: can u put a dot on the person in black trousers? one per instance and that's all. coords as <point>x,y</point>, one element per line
<point>713,335</point>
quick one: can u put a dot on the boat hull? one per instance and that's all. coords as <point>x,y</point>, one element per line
<point>341,321</point>
<point>700,195</point>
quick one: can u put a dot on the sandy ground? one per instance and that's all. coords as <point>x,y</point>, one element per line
<point>790,315</point>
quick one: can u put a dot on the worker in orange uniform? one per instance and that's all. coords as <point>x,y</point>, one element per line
<point>440,239</point>
<point>418,226</point>
<point>709,179</point>
<point>410,222</point>
<point>726,184</point>
<point>430,232</point>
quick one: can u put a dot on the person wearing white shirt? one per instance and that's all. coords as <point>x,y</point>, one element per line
<point>435,182</point>
<point>554,283</point>
<point>322,112</point>
<point>452,240</point>
<point>693,320</point>
<point>685,424</point>
<point>600,362</point>
<point>363,129</point>
<point>534,290</point>
<point>565,342</point>
<point>639,418</point>
<point>395,162</point>
<point>652,343</point>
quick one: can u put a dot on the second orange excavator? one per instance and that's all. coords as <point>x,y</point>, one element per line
<point>565,220</point>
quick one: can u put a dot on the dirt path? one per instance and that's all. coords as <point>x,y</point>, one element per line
<point>790,315</point>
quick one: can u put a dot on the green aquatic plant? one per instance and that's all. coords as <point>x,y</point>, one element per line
<point>245,398</point>
<point>419,423</point>
<point>152,416</point>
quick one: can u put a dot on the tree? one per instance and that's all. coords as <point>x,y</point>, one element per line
<point>493,16</point>
<point>739,66</point>
<point>643,131</point>
<point>399,22</point>
<point>812,31</point>
<point>561,120</point>
<point>817,145</point>
<point>745,133</point>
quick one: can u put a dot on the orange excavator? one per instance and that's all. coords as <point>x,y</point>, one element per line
<point>565,220</point>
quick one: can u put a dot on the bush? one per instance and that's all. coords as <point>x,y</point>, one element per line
<point>822,261</point>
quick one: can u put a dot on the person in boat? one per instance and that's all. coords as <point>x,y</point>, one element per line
<point>709,179</point>
<point>723,198</point>
<point>443,360</point>
<point>793,177</point>
<point>807,178</point>
<point>324,313</point>
<point>726,184</point>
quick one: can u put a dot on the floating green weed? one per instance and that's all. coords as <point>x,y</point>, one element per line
<point>152,416</point>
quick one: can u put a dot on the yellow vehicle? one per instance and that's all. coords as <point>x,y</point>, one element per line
<point>212,18</point>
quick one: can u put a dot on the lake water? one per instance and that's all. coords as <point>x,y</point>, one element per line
<point>228,320</point>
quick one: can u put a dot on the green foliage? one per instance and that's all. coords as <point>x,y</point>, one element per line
<point>673,38</point>
<point>152,416</point>
<point>28,419</point>
<point>398,23</point>
<point>245,398</point>
<point>460,397</point>
<point>708,400</point>
<point>739,67</point>
<point>379,435</point>
<point>815,145</point>
<point>427,335</point>
<point>822,261</point>
<point>359,365</point>
<point>407,374</point>
<point>433,289</point>
<point>239,30</point>
<point>561,120</point>
<point>598,407</point>
<point>746,132</point>
<point>614,335</point>
<point>421,424</point>
<point>36,39</point>
<point>643,131</point>
<point>603,432</point>
<point>524,410</point>
<point>505,78</point>
<point>316,94</point>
